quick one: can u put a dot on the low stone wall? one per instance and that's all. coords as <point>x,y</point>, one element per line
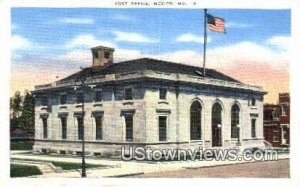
<point>105,149</point>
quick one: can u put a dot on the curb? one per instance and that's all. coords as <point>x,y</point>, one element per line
<point>197,167</point>
<point>126,175</point>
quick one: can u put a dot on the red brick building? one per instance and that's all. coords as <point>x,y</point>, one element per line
<point>277,122</point>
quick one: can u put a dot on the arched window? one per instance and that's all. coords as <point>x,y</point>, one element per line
<point>235,120</point>
<point>195,128</point>
<point>216,114</point>
<point>216,122</point>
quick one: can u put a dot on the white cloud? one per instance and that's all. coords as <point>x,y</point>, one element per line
<point>247,52</point>
<point>238,25</point>
<point>19,42</point>
<point>122,17</point>
<point>281,42</point>
<point>79,57</point>
<point>229,56</point>
<point>84,57</point>
<point>87,21</point>
<point>87,40</point>
<point>126,54</point>
<point>185,57</point>
<point>219,58</point>
<point>132,37</point>
<point>188,37</point>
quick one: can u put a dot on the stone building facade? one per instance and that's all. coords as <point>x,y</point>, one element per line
<point>146,102</point>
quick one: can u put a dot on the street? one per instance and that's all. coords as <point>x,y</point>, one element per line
<point>272,169</point>
<point>119,168</point>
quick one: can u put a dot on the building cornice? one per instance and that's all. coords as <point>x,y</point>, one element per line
<point>155,75</point>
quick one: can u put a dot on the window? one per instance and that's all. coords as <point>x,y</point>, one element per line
<point>63,99</point>
<point>129,127</point>
<point>98,121</point>
<point>253,102</point>
<point>107,55</point>
<point>235,117</point>
<point>80,128</point>
<point>285,109</point>
<point>195,123</point>
<point>162,93</point>
<point>63,127</point>
<point>285,132</point>
<point>45,128</point>
<point>216,114</point>
<point>253,128</point>
<point>275,136</point>
<point>62,152</point>
<point>96,54</point>
<point>79,97</point>
<point>98,96</point>
<point>216,122</point>
<point>274,115</point>
<point>128,94</point>
<point>162,122</point>
<point>44,101</point>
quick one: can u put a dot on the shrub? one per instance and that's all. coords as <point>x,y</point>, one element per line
<point>21,145</point>
<point>23,170</point>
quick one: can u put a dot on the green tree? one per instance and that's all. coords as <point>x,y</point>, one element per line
<point>16,105</point>
<point>27,117</point>
<point>15,110</point>
<point>14,123</point>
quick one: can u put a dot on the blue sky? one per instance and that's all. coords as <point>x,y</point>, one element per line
<point>50,27</point>
<point>60,38</point>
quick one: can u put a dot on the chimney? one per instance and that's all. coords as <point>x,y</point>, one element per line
<point>102,56</point>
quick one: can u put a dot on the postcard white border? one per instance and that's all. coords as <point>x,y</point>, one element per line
<point>5,28</point>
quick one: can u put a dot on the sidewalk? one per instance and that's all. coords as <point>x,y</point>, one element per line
<point>118,168</point>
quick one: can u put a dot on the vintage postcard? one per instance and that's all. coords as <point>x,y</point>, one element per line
<point>150,89</point>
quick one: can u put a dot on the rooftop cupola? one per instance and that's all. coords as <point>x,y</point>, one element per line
<point>102,56</point>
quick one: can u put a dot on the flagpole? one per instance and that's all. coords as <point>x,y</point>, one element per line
<point>205,40</point>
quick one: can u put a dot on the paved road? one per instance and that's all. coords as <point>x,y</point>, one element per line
<point>118,168</point>
<point>271,169</point>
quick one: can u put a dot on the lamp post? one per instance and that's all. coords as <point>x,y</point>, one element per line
<point>238,130</point>
<point>83,165</point>
<point>83,86</point>
<point>219,128</point>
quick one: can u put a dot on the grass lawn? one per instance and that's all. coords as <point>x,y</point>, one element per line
<point>66,165</point>
<point>69,166</point>
<point>23,171</point>
<point>21,145</point>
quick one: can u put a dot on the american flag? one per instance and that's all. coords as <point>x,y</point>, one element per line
<point>216,24</point>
